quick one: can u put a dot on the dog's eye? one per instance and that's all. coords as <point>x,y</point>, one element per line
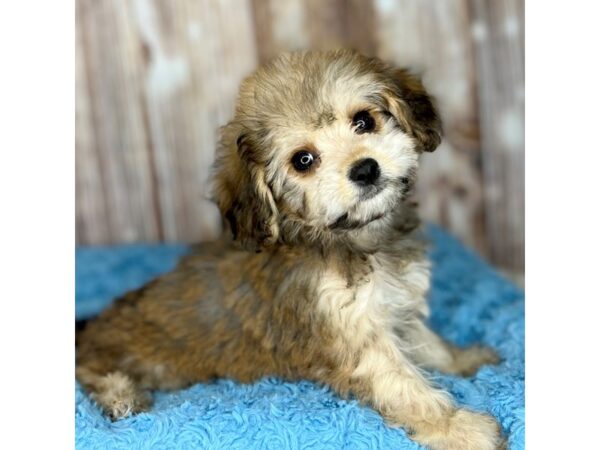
<point>302,160</point>
<point>363,122</point>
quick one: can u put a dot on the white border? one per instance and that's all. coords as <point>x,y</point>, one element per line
<point>37,228</point>
<point>562,224</point>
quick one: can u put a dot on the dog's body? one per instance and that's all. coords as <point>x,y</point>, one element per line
<point>330,282</point>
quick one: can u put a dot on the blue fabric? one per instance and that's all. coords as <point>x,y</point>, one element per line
<point>471,303</point>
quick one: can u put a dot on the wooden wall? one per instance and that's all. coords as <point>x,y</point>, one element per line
<point>155,79</point>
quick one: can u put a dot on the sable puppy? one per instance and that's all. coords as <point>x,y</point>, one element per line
<point>325,278</point>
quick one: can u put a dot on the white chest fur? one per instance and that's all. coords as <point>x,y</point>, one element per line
<point>392,292</point>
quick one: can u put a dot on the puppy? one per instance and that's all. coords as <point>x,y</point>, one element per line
<point>325,277</point>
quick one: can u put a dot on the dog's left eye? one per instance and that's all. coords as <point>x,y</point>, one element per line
<point>363,122</point>
<point>302,160</point>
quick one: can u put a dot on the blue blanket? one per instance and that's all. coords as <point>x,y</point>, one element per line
<point>470,303</point>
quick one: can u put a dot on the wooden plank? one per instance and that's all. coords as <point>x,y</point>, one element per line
<point>288,25</point>
<point>325,23</point>
<point>112,56</point>
<point>90,207</point>
<point>341,23</point>
<point>360,26</point>
<point>433,37</point>
<point>196,56</point>
<point>261,21</point>
<point>281,26</point>
<point>498,29</point>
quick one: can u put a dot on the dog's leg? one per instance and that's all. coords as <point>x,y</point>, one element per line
<point>431,351</point>
<point>387,380</point>
<point>115,392</point>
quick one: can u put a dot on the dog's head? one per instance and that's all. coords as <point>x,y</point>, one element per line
<point>323,144</point>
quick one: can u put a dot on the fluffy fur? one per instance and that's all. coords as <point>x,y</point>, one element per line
<point>325,279</point>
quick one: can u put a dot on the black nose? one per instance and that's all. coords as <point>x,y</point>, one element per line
<point>365,172</point>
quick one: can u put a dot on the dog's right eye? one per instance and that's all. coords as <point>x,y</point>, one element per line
<point>363,122</point>
<point>302,160</point>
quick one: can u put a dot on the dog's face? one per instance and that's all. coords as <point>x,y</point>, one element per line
<point>322,144</point>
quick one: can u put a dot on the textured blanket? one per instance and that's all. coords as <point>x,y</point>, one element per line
<point>471,303</point>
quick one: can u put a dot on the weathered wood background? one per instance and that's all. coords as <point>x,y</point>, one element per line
<point>155,79</point>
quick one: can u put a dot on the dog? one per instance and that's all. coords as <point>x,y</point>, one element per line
<point>324,275</point>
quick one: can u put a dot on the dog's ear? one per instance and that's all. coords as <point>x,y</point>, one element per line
<point>241,191</point>
<point>413,108</point>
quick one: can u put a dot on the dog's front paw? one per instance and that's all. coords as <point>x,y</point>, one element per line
<point>117,394</point>
<point>464,430</point>
<point>468,360</point>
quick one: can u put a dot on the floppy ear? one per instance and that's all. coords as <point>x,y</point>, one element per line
<point>414,109</point>
<point>242,194</point>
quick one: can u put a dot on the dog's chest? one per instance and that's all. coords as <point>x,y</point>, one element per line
<point>375,299</point>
